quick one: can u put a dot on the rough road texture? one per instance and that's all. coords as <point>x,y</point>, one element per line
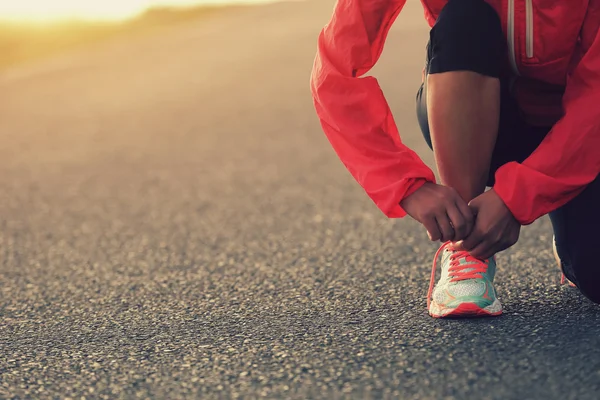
<point>175,225</point>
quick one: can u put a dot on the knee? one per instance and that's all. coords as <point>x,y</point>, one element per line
<point>589,287</point>
<point>467,36</point>
<point>593,295</point>
<point>584,271</point>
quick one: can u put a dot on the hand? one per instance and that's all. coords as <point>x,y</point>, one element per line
<point>445,215</point>
<point>496,229</point>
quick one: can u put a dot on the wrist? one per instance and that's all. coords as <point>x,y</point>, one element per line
<point>417,184</point>
<point>501,200</point>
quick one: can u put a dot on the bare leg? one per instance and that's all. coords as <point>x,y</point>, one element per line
<point>463,109</point>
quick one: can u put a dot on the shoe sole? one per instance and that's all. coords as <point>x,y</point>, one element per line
<point>466,310</point>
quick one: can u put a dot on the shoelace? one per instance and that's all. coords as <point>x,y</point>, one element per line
<point>457,270</point>
<point>564,279</point>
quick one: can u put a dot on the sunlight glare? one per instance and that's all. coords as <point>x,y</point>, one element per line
<point>51,10</point>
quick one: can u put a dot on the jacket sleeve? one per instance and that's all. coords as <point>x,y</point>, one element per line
<point>569,157</point>
<point>354,112</point>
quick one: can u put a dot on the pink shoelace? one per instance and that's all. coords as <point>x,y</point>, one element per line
<point>457,271</point>
<point>564,279</point>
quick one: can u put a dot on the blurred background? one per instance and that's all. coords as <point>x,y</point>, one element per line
<point>174,223</point>
<point>34,28</point>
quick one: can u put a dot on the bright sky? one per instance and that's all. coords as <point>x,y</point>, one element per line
<point>49,10</point>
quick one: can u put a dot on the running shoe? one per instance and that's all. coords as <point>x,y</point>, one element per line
<point>465,288</point>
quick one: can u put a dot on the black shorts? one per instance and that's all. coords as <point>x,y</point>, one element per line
<point>468,37</point>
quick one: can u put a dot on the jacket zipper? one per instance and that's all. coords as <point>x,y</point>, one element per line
<point>510,33</point>
<point>529,29</point>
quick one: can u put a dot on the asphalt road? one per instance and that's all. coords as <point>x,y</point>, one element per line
<point>174,225</point>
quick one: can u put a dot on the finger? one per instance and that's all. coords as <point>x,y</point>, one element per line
<point>445,227</point>
<point>432,229</point>
<point>458,223</point>
<point>473,240</point>
<point>493,243</point>
<point>475,203</point>
<point>484,250</point>
<point>459,246</point>
<point>468,215</point>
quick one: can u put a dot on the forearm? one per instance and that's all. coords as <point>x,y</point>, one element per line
<point>353,111</point>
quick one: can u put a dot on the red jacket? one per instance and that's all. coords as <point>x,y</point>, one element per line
<point>555,42</point>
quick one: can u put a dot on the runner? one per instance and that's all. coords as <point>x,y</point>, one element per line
<point>510,100</point>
